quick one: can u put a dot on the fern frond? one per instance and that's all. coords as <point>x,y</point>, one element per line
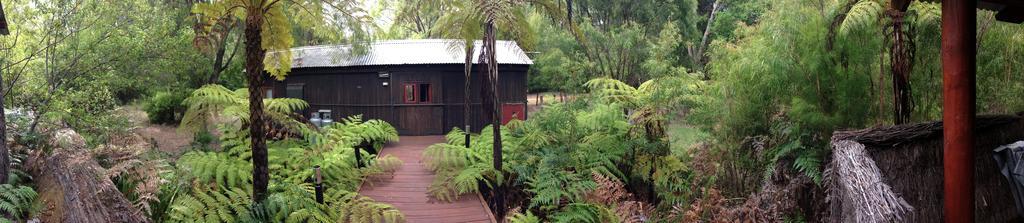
<point>211,206</point>
<point>809,163</point>
<point>612,90</point>
<point>16,201</point>
<point>862,15</point>
<point>583,212</point>
<point>351,207</point>
<point>219,168</point>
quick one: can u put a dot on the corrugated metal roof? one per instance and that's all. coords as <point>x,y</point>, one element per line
<point>398,52</point>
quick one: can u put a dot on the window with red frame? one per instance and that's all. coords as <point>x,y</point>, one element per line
<point>416,93</point>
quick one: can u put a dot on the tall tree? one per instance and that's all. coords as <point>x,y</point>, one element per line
<point>267,27</point>
<point>464,22</point>
<point>215,39</point>
<point>4,153</point>
<point>897,23</point>
<point>697,53</point>
<point>416,18</point>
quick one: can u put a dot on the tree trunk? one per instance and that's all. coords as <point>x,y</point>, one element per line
<point>568,10</point>
<point>485,88</point>
<point>218,64</point>
<point>901,58</point>
<point>492,73</point>
<point>254,54</point>
<point>5,155</point>
<point>74,187</point>
<point>697,56</point>
<point>465,101</point>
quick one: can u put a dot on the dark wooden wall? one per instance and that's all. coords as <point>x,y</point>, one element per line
<point>348,91</point>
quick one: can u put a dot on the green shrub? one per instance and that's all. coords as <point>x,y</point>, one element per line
<point>202,140</point>
<point>165,107</point>
<point>89,110</point>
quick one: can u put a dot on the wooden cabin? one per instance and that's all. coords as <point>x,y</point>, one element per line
<point>416,85</point>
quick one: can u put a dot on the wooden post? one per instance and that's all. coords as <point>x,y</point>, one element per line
<point>319,185</point>
<point>958,98</point>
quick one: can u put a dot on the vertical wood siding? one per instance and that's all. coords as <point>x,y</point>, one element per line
<point>348,91</point>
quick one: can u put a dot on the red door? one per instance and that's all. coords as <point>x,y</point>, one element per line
<point>512,111</point>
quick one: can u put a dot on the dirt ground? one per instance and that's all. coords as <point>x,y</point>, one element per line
<point>165,137</point>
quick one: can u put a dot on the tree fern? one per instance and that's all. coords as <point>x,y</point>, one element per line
<point>220,176</point>
<point>551,156</point>
<point>613,91</point>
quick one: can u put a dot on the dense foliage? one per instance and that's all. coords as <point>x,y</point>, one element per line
<point>165,107</point>
<point>578,162</point>
<point>778,87</point>
<point>215,185</point>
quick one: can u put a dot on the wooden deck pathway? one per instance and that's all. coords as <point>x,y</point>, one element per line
<point>407,191</point>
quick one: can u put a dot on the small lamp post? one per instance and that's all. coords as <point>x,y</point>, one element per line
<point>467,136</point>
<point>319,184</point>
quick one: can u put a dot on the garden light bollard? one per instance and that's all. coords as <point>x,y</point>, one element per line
<point>319,187</point>
<point>467,136</point>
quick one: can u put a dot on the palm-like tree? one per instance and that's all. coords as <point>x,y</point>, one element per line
<point>470,20</point>
<point>897,19</point>
<point>648,104</point>
<point>267,28</point>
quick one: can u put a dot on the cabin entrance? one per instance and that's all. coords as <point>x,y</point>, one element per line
<point>417,110</point>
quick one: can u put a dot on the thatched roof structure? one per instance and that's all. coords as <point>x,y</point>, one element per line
<point>863,195</point>
<point>895,173</point>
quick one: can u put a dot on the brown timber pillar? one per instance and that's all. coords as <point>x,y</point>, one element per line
<point>958,96</point>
